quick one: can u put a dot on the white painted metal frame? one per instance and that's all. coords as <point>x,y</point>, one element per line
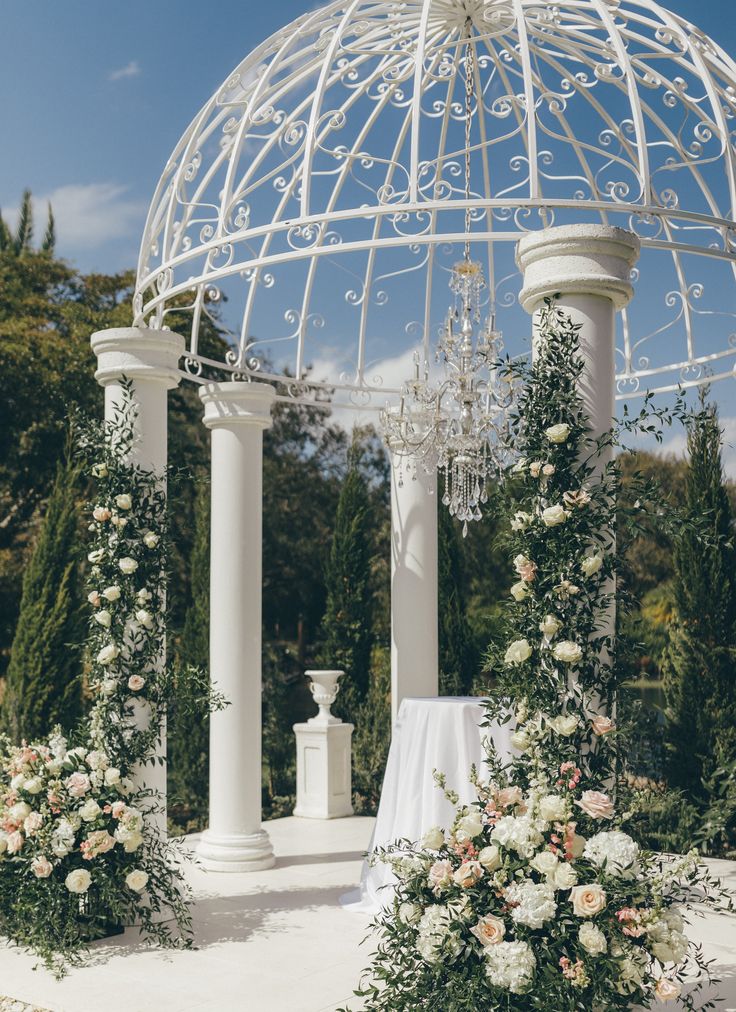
<point>320,187</point>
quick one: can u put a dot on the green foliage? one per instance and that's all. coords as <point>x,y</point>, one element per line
<point>43,683</point>
<point>188,724</point>
<point>372,734</point>
<point>347,624</point>
<point>700,661</point>
<point>458,658</point>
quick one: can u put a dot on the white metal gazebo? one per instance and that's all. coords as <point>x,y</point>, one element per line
<point>318,199</point>
<point>320,188</point>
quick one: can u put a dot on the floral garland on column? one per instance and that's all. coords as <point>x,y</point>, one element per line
<point>535,898</point>
<point>79,851</point>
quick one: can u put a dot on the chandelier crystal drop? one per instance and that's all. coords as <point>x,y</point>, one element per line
<point>457,425</point>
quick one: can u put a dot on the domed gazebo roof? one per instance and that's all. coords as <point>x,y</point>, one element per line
<point>320,190</point>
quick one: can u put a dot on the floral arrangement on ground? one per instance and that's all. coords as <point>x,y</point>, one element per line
<point>80,852</point>
<point>535,898</point>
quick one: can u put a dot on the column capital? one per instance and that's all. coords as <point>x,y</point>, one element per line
<point>139,353</point>
<point>237,403</point>
<point>577,260</point>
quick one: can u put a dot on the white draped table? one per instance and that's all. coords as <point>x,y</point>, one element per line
<point>430,734</point>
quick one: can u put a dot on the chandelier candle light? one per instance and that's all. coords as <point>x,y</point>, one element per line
<point>455,427</point>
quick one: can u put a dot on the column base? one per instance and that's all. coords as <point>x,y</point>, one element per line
<point>235,852</point>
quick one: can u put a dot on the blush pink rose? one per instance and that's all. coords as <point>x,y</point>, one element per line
<point>508,796</point>
<point>667,990</point>
<point>77,784</point>
<point>136,683</point>
<point>101,514</point>
<point>41,866</point>
<point>602,725</point>
<point>468,874</point>
<point>489,930</point>
<point>14,842</point>
<point>440,875</point>
<point>596,804</point>
<point>587,900</point>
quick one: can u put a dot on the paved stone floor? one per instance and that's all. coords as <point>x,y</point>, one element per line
<point>273,941</point>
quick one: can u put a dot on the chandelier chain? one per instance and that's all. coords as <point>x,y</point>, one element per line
<point>469,92</point>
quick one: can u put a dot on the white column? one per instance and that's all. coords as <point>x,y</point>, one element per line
<point>237,414</point>
<point>149,358</point>
<point>589,267</point>
<point>414,626</point>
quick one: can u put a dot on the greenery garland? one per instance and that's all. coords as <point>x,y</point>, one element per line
<point>535,898</point>
<point>79,849</point>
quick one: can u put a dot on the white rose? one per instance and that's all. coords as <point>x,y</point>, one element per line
<point>568,652</point>
<point>112,776</point>
<point>564,876</point>
<point>520,590</point>
<point>564,725</point>
<point>469,827</point>
<point>520,740</point>
<point>144,595</point>
<point>123,502</point>
<point>518,652</point>
<point>145,618</point>
<point>108,654</point>
<point>103,618</point>
<point>549,626</point>
<point>553,808</point>
<point>128,566</point>
<point>108,686</point>
<point>591,564</point>
<point>544,862</point>
<point>78,881</point>
<point>17,781</point>
<point>558,433</point>
<point>89,810</point>
<point>19,811</point>
<point>592,939</point>
<point>490,858</point>
<point>552,516</point>
<point>521,521</point>
<point>433,839</point>
<point>33,786</point>
<point>150,540</point>
<point>136,880</point>
<point>111,593</point>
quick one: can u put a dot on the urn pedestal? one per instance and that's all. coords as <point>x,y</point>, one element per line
<point>323,756</point>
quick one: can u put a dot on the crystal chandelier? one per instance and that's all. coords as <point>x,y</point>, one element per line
<point>456,426</point>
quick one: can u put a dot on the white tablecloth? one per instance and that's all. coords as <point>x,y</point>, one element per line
<point>430,734</point>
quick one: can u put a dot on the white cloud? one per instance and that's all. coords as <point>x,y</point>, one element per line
<point>87,215</point>
<point>131,69</point>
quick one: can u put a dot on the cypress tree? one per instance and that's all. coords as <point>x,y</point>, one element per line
<point>700,661</point>
<point>188,726</point>
<point>457,655</point>
<point>43,680</point>
<point>347,621</point>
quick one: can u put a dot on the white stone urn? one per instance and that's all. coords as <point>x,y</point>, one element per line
<point>324,688</point>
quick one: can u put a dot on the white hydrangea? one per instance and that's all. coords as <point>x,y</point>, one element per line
<point>435,940</point>
<point>62,840</point>
<point>533,903</point>
<point>519,833</point>
<point>616,850</point>
<point>510,965</point>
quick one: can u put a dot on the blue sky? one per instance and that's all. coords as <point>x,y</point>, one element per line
<point>96,95</point>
